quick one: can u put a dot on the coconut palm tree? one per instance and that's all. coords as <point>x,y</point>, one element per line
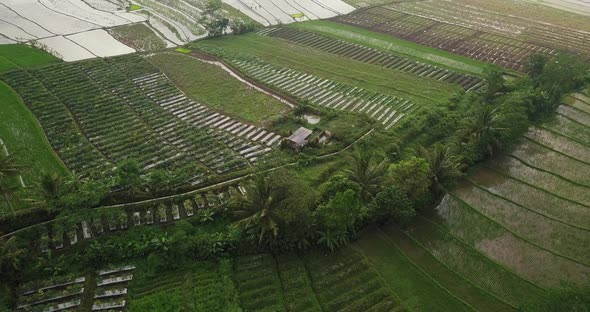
<point>258,212</point>
<point>10,257</point>
<point>443,165</point>
<point>484,128</point>
<point>9,173</point>
<point>51,186</point>
<point>366,173</point>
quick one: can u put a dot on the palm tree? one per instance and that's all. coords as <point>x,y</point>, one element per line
<point>52,186</point>
<point>74,181</point>
<point>10,257</point>
<point>258,212</point>
<point>443,165</point>
<point>484,128</point>
<point>367,174</point>
<point>9,173</point>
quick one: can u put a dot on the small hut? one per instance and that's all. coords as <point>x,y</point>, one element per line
<point>299,138</point>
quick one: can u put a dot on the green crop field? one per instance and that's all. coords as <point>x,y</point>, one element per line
<point>14,56</point>
<point>328,66</point>
<point>417,290</point>
<point>202,286</point>
<point>394,45</point>
<point>20,128</point>
<point>202,82</point>
<point>294,156</point>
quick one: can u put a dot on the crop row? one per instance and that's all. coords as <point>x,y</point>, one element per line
<point>365,54</point>
<point>542,180</point>
<point>567,127</point>
<point>492,239</point>
<point>469,263</point>
<point>552,235</point>
<point>544,158</point>
<point>191,142</point>
<point>184,18</point>
<point>111,289</point>
<point>566,39</point>
<point>61,235</point>
<point>52,296</point>
<point>538,200</point>
<point>245,140</point>
<point>297,290</point>
<point>116,130</point>
<point>496,49</point>
<point>60,127</point>
<point>344,281</point>
<point>574,114</point>
<point>386,109</point>
<point>95,115</point>
<point>560,143</point>
<point>258,283</point>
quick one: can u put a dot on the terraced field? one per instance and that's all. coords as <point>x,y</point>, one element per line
<point>322,79</point>
<point>516,226</point>
<point>470,31</point>
<point>203,286</point>
<point>386,109</point>
<point>84,107</point>
<point>365,54</point>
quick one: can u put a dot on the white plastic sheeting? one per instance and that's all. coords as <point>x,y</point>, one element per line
<point>72,29</point>
<point>272,12</point>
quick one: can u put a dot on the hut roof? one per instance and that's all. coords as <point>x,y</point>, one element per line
<point>298,137</point>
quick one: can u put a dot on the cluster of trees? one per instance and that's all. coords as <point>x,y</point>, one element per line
<point>281,212</point>
<point>475,126</point>
<point>430,154</point>
<point>217,25</point>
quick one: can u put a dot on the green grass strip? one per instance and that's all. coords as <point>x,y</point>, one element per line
<point>391,44</point>
<point>516,235</point>
<point>183,50</point>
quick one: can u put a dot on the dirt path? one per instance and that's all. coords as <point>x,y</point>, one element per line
<point>246,80</point>
<point>199,190</point>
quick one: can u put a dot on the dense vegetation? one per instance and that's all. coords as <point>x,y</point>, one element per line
<point>344,225</point>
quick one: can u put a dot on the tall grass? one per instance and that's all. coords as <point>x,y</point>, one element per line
<point>550,234</point>
<point>532,198</point>
<point>534,264</point>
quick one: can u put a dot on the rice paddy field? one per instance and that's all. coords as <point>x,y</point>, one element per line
<point>339,74</point>
<point>525,211</point>
<point>218,109</point>
<point>473,31</point>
